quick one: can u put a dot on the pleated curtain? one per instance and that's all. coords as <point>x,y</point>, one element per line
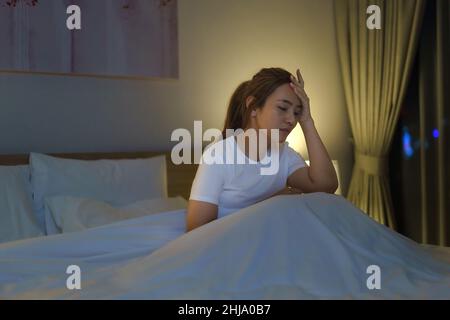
<point>375,67</point>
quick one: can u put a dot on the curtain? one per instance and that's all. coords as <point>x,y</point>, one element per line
<point>375,67</point>
<point>421,150</point>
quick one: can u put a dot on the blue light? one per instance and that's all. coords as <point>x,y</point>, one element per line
<point>435,133</point>
<point>407,149</point>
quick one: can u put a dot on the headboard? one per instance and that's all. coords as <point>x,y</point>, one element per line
<point>179,177</point>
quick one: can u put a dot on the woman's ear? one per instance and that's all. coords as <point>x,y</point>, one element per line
<point>248,101</point>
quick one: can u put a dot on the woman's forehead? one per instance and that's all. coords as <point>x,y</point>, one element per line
<point>285,94</point>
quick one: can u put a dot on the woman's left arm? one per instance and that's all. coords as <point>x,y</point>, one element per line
<point>320,176</point>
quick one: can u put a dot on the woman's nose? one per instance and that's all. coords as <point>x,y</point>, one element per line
<point>290,118</point>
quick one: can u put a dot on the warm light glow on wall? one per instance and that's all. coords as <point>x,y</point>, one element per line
<point>296,141</point>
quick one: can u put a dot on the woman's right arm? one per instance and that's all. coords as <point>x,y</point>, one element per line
<point>200,213</point>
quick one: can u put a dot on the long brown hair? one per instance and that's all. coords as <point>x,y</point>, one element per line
<point>261,86</point>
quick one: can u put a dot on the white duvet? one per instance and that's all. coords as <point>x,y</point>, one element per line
<point>312,246</point>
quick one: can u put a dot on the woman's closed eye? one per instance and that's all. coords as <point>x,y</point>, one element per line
<point>285,109</point>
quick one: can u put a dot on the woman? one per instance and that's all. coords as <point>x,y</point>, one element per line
<point>273,100</point>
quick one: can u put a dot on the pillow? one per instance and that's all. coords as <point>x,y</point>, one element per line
<point>117,182</point>
<point>69,214</point>
<point>17,220</point>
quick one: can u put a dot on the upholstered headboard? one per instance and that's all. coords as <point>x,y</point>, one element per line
<point>179,177</point>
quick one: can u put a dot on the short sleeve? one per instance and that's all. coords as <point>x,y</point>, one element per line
<point>208,183</point>
<point>295,160</point>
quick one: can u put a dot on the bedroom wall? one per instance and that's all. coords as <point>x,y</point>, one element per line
<point>221,43</point>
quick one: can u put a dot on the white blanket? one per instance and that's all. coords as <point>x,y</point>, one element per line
<point>312,246</point>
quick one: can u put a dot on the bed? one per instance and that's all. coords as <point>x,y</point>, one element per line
<point>112,226</point>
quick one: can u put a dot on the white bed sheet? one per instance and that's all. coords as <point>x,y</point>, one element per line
<point>313,246</point>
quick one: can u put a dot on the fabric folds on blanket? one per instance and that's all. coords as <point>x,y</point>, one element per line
<point>312,246</point>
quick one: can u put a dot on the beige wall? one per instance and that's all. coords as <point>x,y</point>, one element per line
<point>221,43</point>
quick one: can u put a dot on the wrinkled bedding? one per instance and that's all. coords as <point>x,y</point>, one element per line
<point>309,246</point>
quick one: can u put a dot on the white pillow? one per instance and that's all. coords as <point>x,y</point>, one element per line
<point>69,214</point>
<point>118,182</point>
<point>17,220</point>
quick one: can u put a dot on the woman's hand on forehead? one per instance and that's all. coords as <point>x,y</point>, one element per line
<point>298,85</point>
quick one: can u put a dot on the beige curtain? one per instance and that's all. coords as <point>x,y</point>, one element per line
<point>375,66</point>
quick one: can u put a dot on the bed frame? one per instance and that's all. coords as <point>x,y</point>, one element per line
<point>179,177</point>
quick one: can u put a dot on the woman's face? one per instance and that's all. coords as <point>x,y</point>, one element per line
<point>281,111</point>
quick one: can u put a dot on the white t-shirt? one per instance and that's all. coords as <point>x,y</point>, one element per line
<point>235,186</point>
